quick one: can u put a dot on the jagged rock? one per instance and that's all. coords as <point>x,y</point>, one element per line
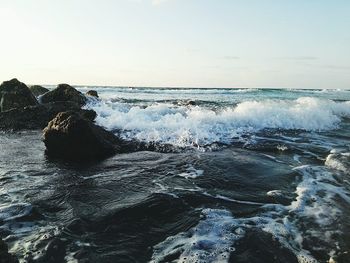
<point>38,90</point>
<point>37,117</point>
<point>92,93</point>
<point>5,257</point>
<point>64,92</point>
<point>72,137</point>
<point>54,252</point>
<point>15,94</point>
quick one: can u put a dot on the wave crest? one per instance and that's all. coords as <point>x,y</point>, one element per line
<point>192,125</point>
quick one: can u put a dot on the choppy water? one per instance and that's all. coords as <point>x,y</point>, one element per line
<point>255,176</point>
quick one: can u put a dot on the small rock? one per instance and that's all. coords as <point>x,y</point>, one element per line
<point>15,94</point>
<point>92,93</point>
<point>191,102</point>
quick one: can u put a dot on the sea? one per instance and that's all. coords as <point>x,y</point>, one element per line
<point>248,175</point>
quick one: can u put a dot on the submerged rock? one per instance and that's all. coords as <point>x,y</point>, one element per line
<point>64,92</point>
<point>191,103</point>
<point>38,90</point>
<point>70,136</point>
<point>37,117</point>
<point>5,257</point>
<point>15,94</point>
<point>92,93</point>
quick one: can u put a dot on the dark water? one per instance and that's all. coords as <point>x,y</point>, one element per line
<point>261,178</point>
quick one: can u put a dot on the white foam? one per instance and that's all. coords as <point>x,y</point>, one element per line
<point>275,193</point>
<point>310,202</point>
<point>210,241</point>
<point>191,173</point>
<point>214,237</point>
<point>339,161</point>
<point>195,125</point>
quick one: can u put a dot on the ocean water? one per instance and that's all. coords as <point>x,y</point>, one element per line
<point>249,175</point>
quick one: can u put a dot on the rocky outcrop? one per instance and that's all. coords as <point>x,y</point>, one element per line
<point>64,92</point>
<point>70,136</point>
<point>5,257</point>
<point>15,94</point>
<point>70,132</point>
<point>38,90</point>
<point>92,93</point>
<point>73,137</point>
<point>37,117</point>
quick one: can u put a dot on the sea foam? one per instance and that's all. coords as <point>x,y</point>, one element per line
<point>193,125</point>
<point>216,235</point>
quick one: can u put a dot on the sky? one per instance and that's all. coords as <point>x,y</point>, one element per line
<point>177,43</point>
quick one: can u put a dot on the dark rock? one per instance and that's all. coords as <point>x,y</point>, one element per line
<point>54,252</point>
<point>88,114</point>
<point>92,93</point>
<point>38,90</point>
<point>186,102</point>
<point>191,102</point>
<point>37,117</point>
<point>64,92</point>
<point>15,94</point>
<point>72,137</point>
<point>5,257</point>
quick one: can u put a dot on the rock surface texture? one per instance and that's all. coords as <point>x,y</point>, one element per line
<point>71,136</point>
<point>37,117</point>
<point>5,257</point>
<point>92,93</point>
<point>15,94</point>
<point>64,92</point>
<point>38,90</point>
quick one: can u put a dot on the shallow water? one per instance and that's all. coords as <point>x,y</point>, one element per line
<point>256,176</point>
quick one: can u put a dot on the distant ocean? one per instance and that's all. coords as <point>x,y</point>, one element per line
<point>254,175</point>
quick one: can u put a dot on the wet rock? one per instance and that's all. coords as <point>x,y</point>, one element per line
<point>64,92</point>
<point>5,257</point>
<point>88,114</point>
<point>15,94</point>
<point>70,136</point>
<point>37,117</point>
<point>54,252</point>
<point>191,103</point>
<point>92,93</point>
<point>38,90</point>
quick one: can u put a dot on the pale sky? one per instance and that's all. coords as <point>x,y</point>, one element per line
<point>187,43</point>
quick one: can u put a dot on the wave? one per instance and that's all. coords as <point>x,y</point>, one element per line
<point>339,161</point>
<point>197,126</point>
<point>217,235</point>
<point>171,90</point>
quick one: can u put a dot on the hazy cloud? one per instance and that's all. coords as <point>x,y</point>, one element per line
<point>335,67</point>
<point>153,2</point>
<point>158,2</point>
<point>230,57</point>
<point>299,58</point>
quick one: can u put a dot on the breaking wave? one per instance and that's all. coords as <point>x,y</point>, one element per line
<point>193,125</point>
